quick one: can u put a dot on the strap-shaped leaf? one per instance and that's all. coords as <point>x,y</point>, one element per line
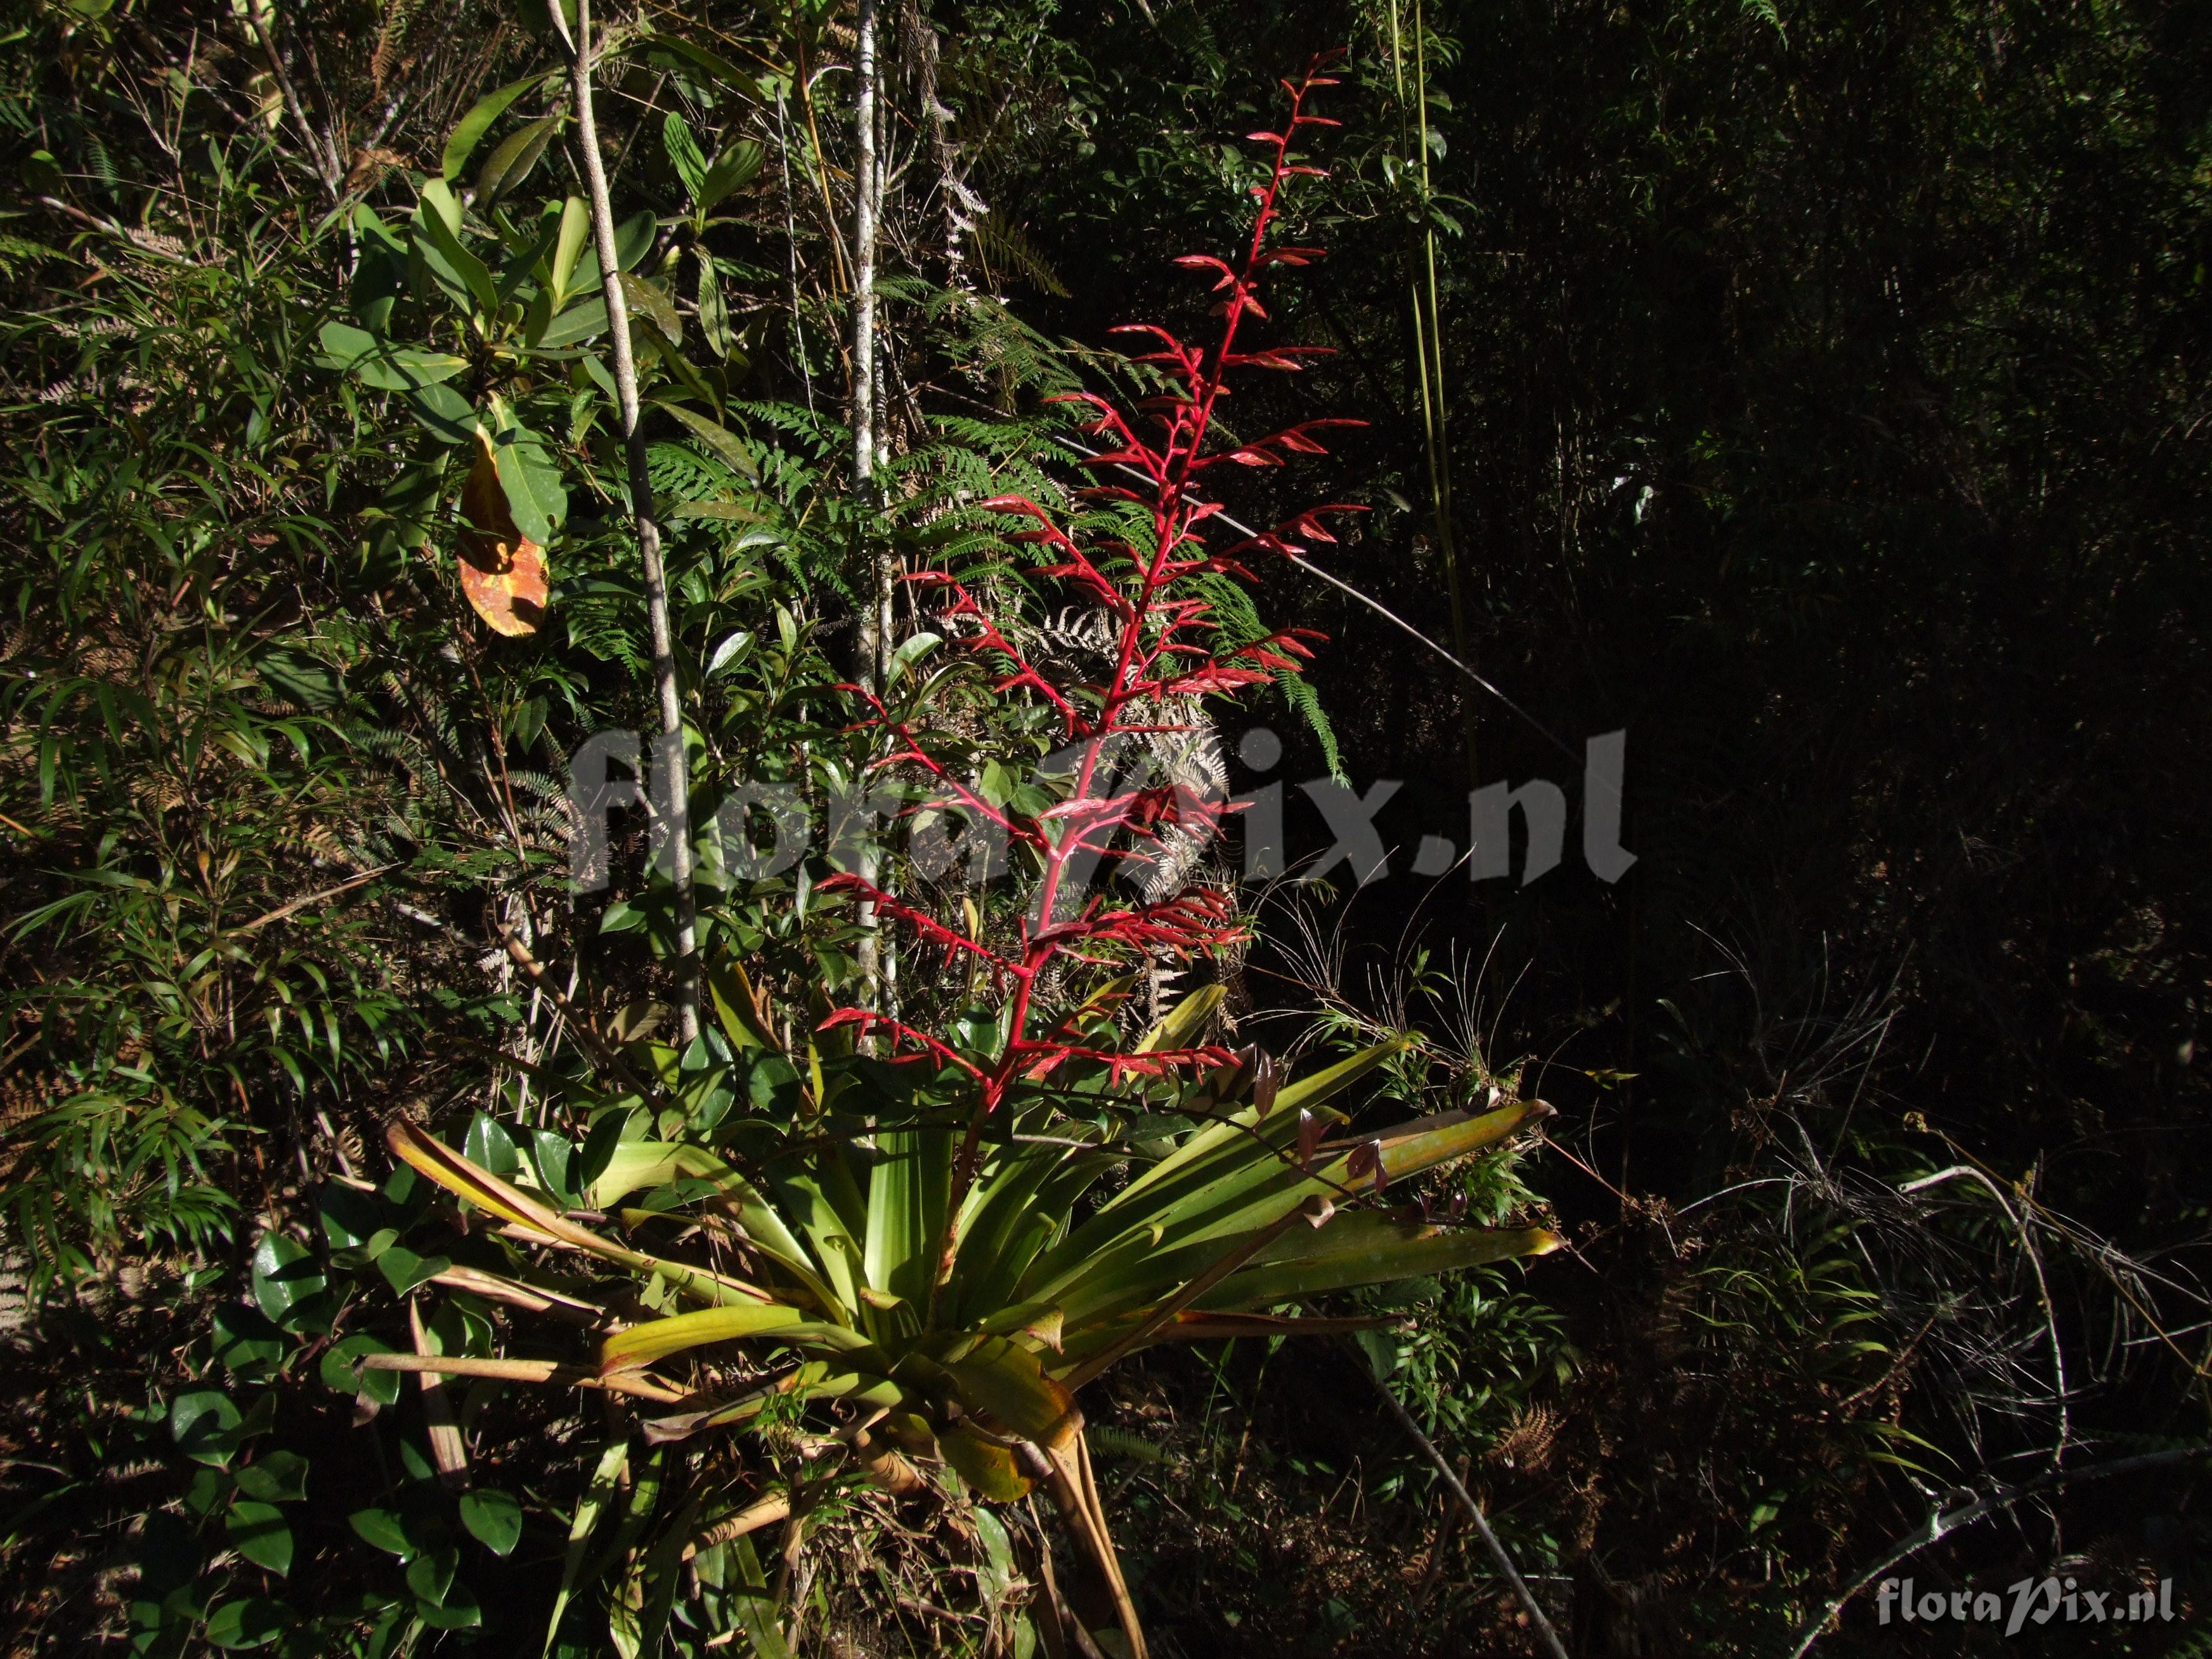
<point>1005,1381</point>
<point>433,1159</point>
<point>907,1193</point>
<point>1305,1094</point>
<point>1181,1024</point>
<point>635,1165</point>
<point>641,1344</point>
<point>468,130</point>
<point>991,1469</point>
<point>1365,1248</point>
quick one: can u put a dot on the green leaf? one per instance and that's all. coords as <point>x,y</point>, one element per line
<point>1006,1380</point>
<point>430,1574</point>
<point>717,437</point>
<point>649,301</point>
<point>575,230</point>
<point>634,238</point>
<point>1366,1247</point>
<point>277,1477</point>
<point>684,156</point>
<point>204,1425</point>
<point>251,1623</point>
<point>469,131</point>
<point>550,1158</point>
<point>656,1338</point>
<point>713,312</point>
<point>532,484</point>
<point>494,1519</point>
<point>990,1469</point>
<point>345,344</point>
<point>383,1530</point>
<point>733,169</point>
<point>488,1144</point>
<point>911,650</point>
<point>681,54</point>
<point>579,321</point>
<point>404,1270</point>
<point>611,1463</point>
<point>285,1276</point>
<point>507,167</point>
<point>447,416</point>
<point>258,1532</point>
<point>246,1339</point>
<point>464,277</point>
<point>339,1373</point>
<point>459,1611</point>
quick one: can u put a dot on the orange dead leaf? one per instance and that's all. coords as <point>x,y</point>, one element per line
<point>502,570</point>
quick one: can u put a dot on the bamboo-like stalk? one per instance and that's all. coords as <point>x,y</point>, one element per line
<point>873,646</point>
<point>677,806</point>
<point>1428,353</point>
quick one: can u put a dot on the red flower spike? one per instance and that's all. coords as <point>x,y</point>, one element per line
<point>1166,643</point>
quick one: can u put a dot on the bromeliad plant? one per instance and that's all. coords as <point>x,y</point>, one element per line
<point>908,1236</point>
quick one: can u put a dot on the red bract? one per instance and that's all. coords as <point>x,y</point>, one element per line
<point>1165,644</point>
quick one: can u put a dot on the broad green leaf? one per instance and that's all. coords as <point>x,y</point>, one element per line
<point>460,1610</point>
<point>508,166</point>
<point>580,321</point>
<point>991,1470</point>
<point>648,300</point>
<point>470,130</point>
<point>733,169</point>
<point>611,1463</point>
<point>447,416</point>
<point>718,438</point>
<point>656,1338</point>
<point>258,1532</point>
<point>402,369</point>
<point>383,1530</point>
<point>911,650</point>
<point>634,238</point>
<point>338,1371</point>
<point>430,1574</point>
<point>684,156</point>
<point>404,1270</point>
<point>489,1144</point>
<point>345,344</point>
<point>351,1216</point>
<point>285,1276</point>
<point>277,1477</point>
<point>714,313</point>
<point>1006,1380</point>
<point>1364,1247</point>
<point>464,277</point>
<point>494,1519</point>
<point>575,231</point>
<point>205,1426</point>
<point>250,1623</point>
<point>532,484</point>
<point>246,1339</point>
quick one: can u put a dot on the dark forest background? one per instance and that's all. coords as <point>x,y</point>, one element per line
<point>1827,398</point>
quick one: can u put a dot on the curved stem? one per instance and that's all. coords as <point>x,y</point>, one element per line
<point>678,774</point>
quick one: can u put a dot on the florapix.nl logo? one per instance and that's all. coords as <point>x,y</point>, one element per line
<point>761,827</point>
<point>2029,1602</point>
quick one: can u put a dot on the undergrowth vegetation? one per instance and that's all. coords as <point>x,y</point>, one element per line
<point>632,1020</point>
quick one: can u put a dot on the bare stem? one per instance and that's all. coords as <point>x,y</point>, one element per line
<point>678,805</point>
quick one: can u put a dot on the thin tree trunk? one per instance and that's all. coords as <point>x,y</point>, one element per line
<point>677,831</point>
<point>871,645</point>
